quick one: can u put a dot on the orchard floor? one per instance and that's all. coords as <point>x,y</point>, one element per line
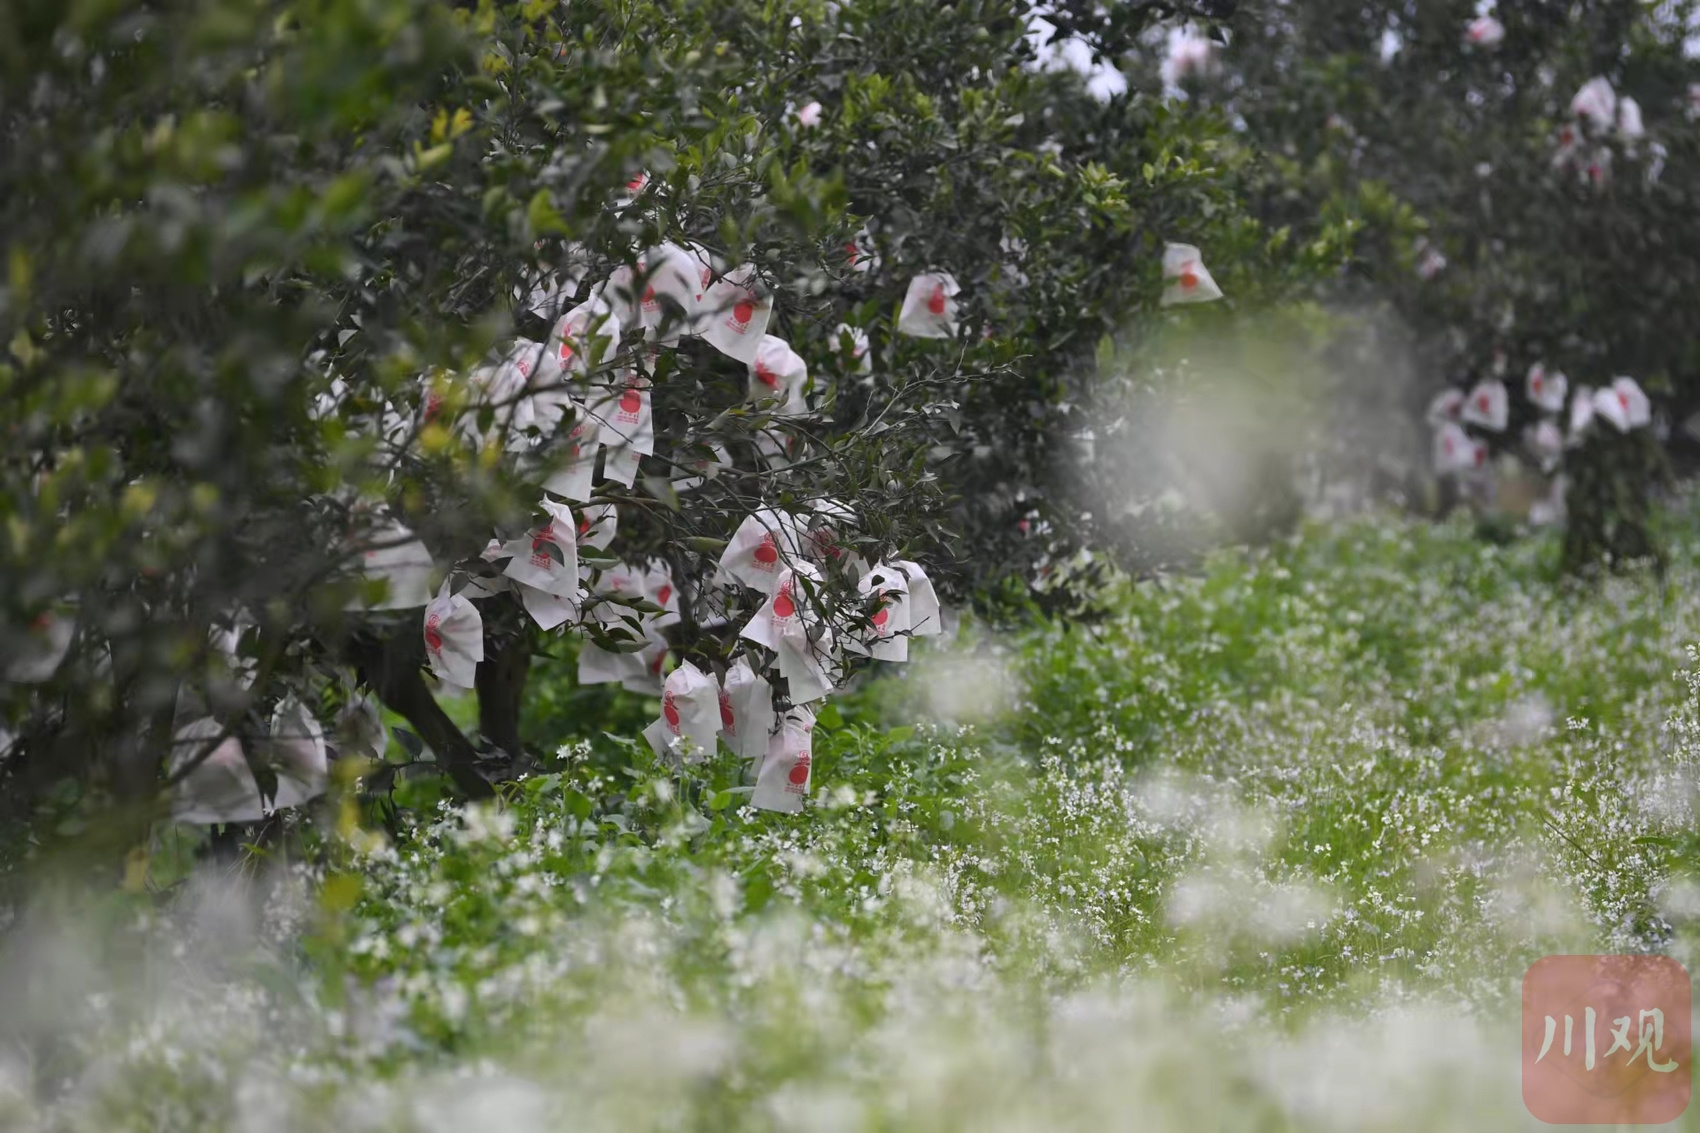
<point>1265,848</point>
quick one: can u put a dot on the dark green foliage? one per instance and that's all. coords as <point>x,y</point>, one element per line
<point>1458,147</point>
<point>242,240</point>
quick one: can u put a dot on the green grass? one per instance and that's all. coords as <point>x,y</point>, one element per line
<point>1267,847</point>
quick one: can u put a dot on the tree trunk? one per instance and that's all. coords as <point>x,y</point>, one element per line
<point>501,692</point>
<point>392,668</point>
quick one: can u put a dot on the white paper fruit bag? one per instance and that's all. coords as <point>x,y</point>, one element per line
<point>705,467</point>
<point>778,376</point>
<point>1546,388</point>
<point>1488,405</point>
<point>776,447</point>
<point>623,416</point>
<point>671,283</point>
<point>295,752</point>
<point>802,643</point>
<point>926,616</point>
<point>486,586</point>
<point>1629,124</point>
<point>584,337</point>
<point>454,638</point>
<point>759,551</point>
<point>597,665</point>
<point>1581,412</point>
<point>735,314</point>
<point>220,788</point>
<point>859,253</point>
<point>690,711</point>
<point>620,465</point>
<point>851,345</point>
<point>885,638</point>
<point>1636,407</point>
<point>929,307</point>
<point>1545,443</point>
<point>546,558</point>
<point>403,563</point>
<point>1485,31</point>
<point>575,459</point>
<point>1596,103</point>
<point>1185,278</point>
<point>659,588</point>
<point>638,672</point>
<point>782,783</point>
<point>831,523</point>
<point>746,710</point>
<point>359,729</point>
<point>530,397</point>
<point>619,294</point>
<point>1455,450</point>
<point>621,581</point>
<point>502,387</point>
<point>1448,405</point>
<point>41,651</point>
<point>597,525</point>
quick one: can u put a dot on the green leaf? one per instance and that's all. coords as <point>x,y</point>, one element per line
<point>541,217</point>
<point>662,489</point>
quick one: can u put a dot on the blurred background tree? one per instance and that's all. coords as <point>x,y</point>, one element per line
<point>1498,227</point>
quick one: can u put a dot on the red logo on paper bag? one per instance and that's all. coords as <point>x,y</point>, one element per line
<point>783,605</point>
<point>881,615</point>
<point>935,302</point>
<point>1189,278</point>
<point>728,722</point>
<point>670,711</point>
<point>631,404</point>
<point>663,594</point>
<point>824,544</point>
<point>434,638</point>
<point>767,552</point>
<point>739,323</point>
<point>766,376</point>
<point>1607,1040</point>
<point>544,538</point>
<point>799,775</point>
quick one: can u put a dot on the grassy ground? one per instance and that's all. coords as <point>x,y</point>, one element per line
<point>1266,848</point>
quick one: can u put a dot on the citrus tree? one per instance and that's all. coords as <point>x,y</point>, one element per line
<point>360,350</point>
<point>1520,176</point>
